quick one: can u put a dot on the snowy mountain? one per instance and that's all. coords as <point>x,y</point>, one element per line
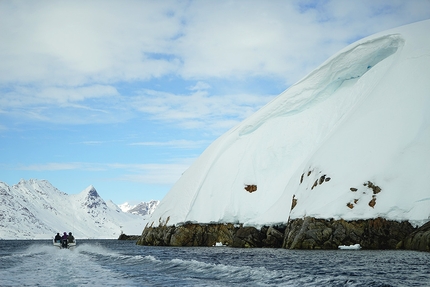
<point>142,208</point>
<point>349,141</point>
<point>36,209</point>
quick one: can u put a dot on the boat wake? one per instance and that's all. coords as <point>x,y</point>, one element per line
<point>116,263</point>
<point>48,266</point>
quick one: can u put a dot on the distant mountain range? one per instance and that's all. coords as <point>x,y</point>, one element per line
<point>142,208</point>
<point>35,209</point>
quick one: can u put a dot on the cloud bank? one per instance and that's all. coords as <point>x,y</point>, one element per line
<point>74,54</point>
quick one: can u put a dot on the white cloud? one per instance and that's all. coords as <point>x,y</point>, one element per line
<point>199,109</point>
<point>200,86</point>
<point>285,39</point>
<point>235,39</point>
<point>78,94</point>
<point>23,96</point>
<point>81,42</point>
<point>74,54</point>
<point>65,105</point>
<point>182,144</point>
<point>52,166</point>
<point>165,174</point>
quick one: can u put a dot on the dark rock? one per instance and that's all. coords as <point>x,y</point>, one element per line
<point>247,237</point>
<point>376,189</point>
<point>372,202</point>
<point>209,234</point>
<point>189,234</point>
<point>418,240</point>
<point>293,202</point>
<point>315,184</point>
<point>156,236</point>
<point>307,233</point>
<point>128,237</point>
<point>322,178</point>
<point>251,188</point>
<point>312,233</point>
<point>274,237</point>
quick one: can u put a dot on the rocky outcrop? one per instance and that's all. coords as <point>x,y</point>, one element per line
<point>307,233</point>
<point>191,234</point>
<point>128,237</point>
<point>418,240</point>
<point>274,236</point>
<point>312,233</point>
<point>156,236</point>
<point>187,235</point>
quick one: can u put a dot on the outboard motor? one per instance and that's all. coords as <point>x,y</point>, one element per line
<point>64,243</point>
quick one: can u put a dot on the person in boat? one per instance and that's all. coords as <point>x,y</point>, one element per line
<point>57,237</point>
<point>70,238</point>
<point>64,240</point>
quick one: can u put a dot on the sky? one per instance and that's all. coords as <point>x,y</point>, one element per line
<point>125,95</point>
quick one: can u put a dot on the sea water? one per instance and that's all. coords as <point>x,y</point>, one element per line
<point>122,263</point>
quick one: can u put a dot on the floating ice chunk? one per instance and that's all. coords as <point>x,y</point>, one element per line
<point>350,247</point>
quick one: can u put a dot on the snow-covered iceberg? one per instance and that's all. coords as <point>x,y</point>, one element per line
<point>349,141</point>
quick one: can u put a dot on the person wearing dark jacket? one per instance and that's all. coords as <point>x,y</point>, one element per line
<point>71,238</point>
<point>64,240</point>
<point>57,238</point>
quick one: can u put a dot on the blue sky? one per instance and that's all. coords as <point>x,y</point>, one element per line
<point>125,95</point>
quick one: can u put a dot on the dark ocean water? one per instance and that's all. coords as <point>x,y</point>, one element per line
<point>122,263</point>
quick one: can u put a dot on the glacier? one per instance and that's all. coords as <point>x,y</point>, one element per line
<point>349,141</point>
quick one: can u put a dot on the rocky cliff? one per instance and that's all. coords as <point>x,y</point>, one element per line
<point>418,240</point>
<point>209,234</point>
<point>307,233</point>
<point>378,233</point>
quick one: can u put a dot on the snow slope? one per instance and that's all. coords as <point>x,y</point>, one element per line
<point>360,120</point>
<point>36,209</point>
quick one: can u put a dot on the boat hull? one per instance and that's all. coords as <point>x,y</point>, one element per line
<point>64,245</point>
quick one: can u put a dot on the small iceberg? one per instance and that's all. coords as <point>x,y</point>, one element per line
<point>350,247</point>
<point>218,244</point>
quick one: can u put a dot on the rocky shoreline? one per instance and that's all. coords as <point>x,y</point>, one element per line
<point>307,233</point>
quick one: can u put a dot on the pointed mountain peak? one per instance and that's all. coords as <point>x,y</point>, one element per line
<point>91,191</point>
<point>91,199</point>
